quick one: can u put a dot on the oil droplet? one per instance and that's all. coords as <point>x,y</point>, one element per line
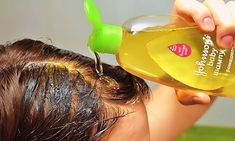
<point>98,65</point>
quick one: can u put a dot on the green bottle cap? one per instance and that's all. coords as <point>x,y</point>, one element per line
<point>105,38</point>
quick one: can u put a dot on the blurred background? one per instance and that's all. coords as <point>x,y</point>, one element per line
<point>64,23</point>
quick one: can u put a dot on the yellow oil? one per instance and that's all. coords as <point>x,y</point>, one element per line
<point>98,65</point>
<point>208,68</point>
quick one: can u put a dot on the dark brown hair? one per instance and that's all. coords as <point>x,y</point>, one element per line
<point>51,94</point>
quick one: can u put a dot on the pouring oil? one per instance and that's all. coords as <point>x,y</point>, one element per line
<point>98,65</point>
<point>165,50</point>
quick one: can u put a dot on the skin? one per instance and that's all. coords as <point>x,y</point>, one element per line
<point>160,117</point>
<point>165,116</point>
<point>212,15</point>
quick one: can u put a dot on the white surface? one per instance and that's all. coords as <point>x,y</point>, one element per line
<point>64,22</point>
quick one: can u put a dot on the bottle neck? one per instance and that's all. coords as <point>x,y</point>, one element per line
<point>106,39</point>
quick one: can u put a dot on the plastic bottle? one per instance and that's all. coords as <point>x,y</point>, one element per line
<point>172,53</point>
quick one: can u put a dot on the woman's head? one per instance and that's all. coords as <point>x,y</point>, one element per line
<point>51,94</point>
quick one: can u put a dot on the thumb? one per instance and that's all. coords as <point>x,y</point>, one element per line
<point>191,98</point>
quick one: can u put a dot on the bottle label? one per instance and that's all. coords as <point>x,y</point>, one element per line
<point>220,60</point>
<point>182,50</point>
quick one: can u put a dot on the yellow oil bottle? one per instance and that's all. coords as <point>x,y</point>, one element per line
<point>157,48</point>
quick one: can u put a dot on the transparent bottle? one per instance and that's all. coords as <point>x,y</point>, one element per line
<point>167,50</point>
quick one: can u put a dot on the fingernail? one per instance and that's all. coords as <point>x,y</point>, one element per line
<point>209,23</point>
<point>227,41</point>
<point>197,100</point>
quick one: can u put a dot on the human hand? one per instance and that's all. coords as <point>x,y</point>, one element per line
<point>212,15</point>
<point>192,98</point>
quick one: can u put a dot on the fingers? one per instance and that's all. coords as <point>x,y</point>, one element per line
<point>195,11</point>
<point>187,98</point>
<point>231,7</point>
<point>211,14</point>
<point>224,20</point>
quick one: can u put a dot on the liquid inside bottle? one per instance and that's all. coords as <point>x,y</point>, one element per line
<point>177,55</point>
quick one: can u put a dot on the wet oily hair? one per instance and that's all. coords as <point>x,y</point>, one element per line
<point>50,94</point>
